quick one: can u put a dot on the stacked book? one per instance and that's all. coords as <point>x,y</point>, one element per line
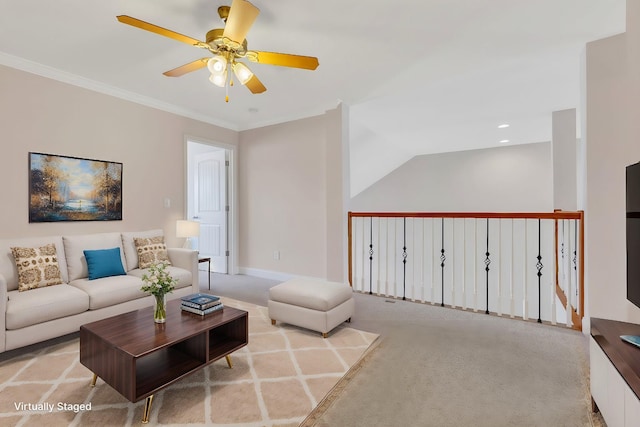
<point>201,304</point>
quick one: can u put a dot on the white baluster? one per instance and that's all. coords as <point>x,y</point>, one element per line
<point>412,259</point>
<point>453,263</point>
<point>394,276</point>
<point>512,306</point>
<point>499,299</point>
<point>386,258</point>
<point>464,263</point>
<point>475,265</point>
<point>362,255</point>
<point>525,298</point>
<point>553,305</point>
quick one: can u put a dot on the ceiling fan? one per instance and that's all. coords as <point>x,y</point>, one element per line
<point>228,45</point>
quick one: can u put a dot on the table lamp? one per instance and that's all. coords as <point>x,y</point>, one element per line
<point>188,229</point>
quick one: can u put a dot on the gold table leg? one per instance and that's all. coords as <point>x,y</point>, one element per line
<point>229,361</point>
<point>93,380</point>
<point>147,409</point>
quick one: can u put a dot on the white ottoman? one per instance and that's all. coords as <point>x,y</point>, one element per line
<point>309,303</point>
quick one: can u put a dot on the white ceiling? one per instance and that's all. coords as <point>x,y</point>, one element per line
<point>418,76</point>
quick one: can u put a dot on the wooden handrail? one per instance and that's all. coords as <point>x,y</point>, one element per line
<point>556,215</point>
<point>490,215</point>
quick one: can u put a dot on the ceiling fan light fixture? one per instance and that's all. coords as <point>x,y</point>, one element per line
<point>242,72</point>
<point>219,79</point>
<point>217,64</point>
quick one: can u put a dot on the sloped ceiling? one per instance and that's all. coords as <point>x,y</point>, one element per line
<point>417,76</point>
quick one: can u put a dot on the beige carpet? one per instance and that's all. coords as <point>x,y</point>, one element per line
<point>277,380</point>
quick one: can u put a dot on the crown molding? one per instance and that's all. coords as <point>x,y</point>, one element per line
<point>95,86</point>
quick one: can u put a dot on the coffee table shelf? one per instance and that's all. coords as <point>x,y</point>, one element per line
<point>162,368</point>
<point>137,357</point>
<point>227,338</point>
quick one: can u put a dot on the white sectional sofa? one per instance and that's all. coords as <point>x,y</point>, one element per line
<point>34,315</point>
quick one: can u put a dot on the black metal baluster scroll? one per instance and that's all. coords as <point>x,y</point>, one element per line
<point>487,262</point>
<point>575,253</point>
<point>539,267</point>
<point>404,259</point>
<point>370,256</point>
<point>442,260</point>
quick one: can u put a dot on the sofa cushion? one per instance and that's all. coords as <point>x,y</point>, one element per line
<point>74,247</point>
<point>180,274</point>
<point>44,304</point>
<point>37,267</point>
<point>109,291</point>
<point>151,250</point>
<point>104,263</point>
<point>7,262</point>
<point>130,251</point>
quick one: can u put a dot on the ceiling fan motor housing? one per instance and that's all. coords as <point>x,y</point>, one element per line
<point>217,41</point>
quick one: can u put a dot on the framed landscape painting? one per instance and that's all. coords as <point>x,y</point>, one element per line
<point>65,188</point>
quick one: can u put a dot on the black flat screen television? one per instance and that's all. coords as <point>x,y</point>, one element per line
<point>633,233</point>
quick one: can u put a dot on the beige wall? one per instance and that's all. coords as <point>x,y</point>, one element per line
<point>44,115</point>
<point>516,178</point>
<point>290,190</point>
<point>336,190</point>
<point>565,151</point>
<point>613,142</point>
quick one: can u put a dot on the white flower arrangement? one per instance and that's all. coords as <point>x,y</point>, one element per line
<point>158,281</point>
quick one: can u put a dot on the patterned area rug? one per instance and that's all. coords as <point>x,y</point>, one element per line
<point>277,380</point>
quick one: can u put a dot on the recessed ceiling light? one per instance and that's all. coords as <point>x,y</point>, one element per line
<point>504,141</point>
<point>504,125</point>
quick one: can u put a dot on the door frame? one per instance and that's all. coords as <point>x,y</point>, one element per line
<point>232,195</point>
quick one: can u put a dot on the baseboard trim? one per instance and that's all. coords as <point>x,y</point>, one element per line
<point>265,274</point>
<point>275,275</point>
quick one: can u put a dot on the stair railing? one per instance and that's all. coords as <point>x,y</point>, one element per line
<point>521,265</point>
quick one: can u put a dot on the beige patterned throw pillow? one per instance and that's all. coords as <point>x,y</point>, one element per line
<point>37,267</point>
<point>151,250</point>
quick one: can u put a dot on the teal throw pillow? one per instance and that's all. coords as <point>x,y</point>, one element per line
<point>104,263</point>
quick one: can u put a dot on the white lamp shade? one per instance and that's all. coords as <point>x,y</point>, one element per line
<point>242,72</point>
<point>219,79</point>
<point>185,228</point>
<point>217,64</point>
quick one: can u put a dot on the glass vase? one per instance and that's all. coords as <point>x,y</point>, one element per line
<point>160,308</point>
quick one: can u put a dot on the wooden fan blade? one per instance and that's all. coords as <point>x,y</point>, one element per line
<point>241,17</point>
<point>162,31</point>
<point>255,85</point>
<point>283,59</point>
<point>187,68</point>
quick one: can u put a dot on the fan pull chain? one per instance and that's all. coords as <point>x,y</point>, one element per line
<point>226,88</point>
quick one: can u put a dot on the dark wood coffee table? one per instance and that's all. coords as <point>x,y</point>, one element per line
<point>138,357</point>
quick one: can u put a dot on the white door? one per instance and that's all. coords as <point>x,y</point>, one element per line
<point>210,206</point>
